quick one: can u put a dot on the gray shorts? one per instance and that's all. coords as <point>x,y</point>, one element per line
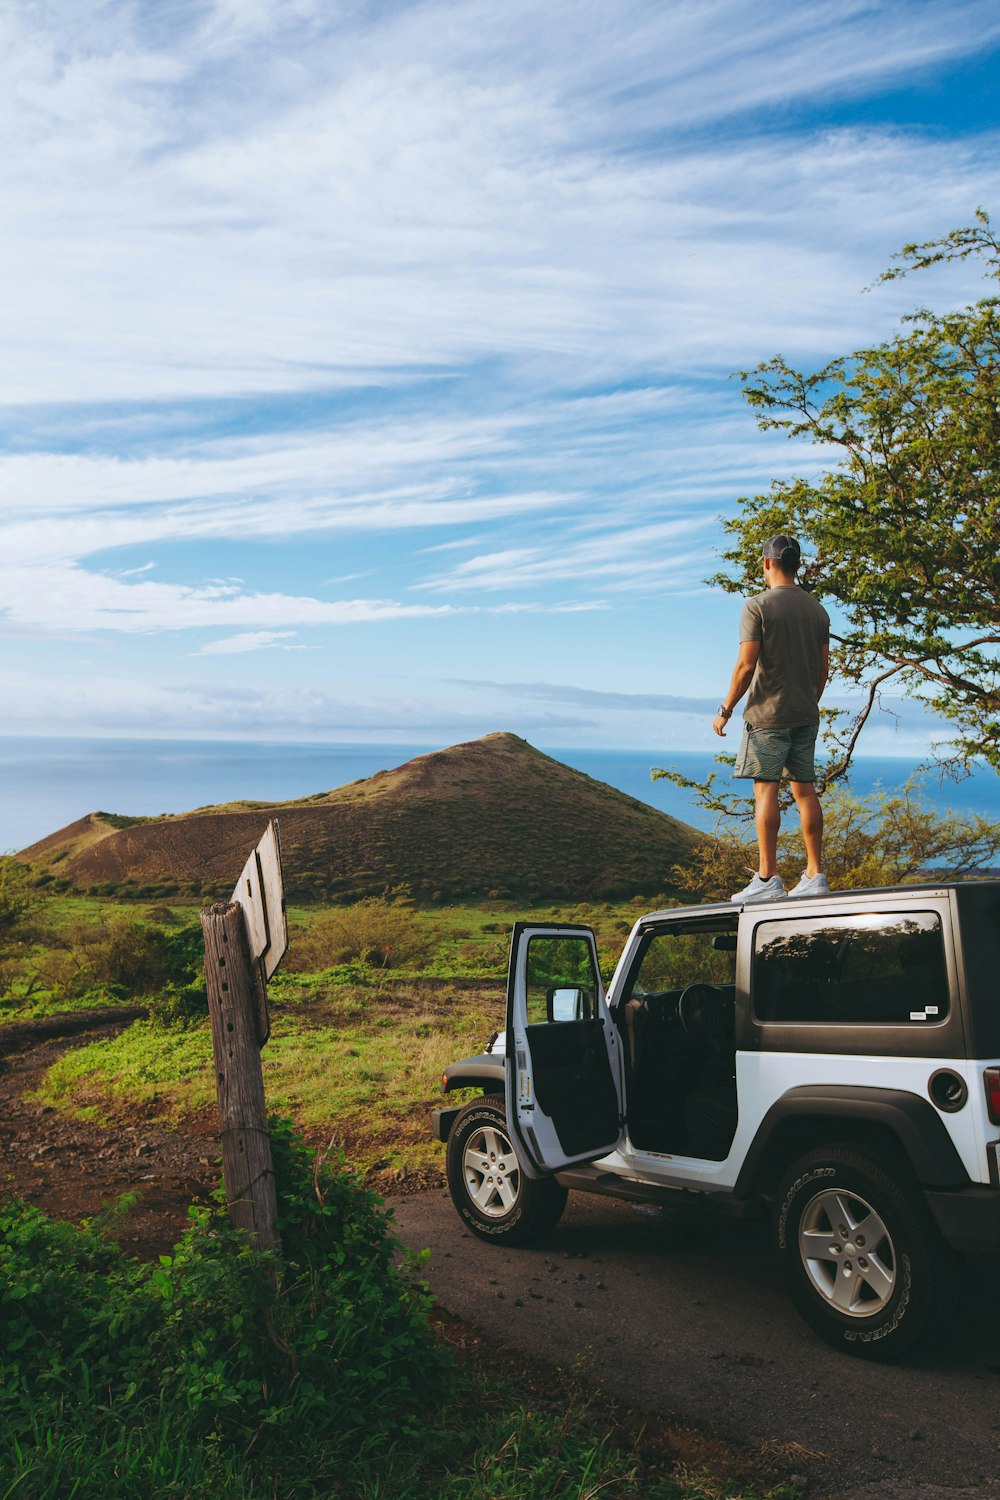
<point>770,754</point>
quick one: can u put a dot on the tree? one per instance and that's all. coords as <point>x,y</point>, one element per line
<point>883,839</point>
<point>902,534</point>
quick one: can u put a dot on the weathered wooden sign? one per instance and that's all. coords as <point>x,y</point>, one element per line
<point>245,941</point>
<point>261,893</point>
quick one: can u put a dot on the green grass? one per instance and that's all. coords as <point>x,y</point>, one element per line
<point>47,963</point>
<point>356,1050</point>
<point>41,964</point>
<point>361,1066</point>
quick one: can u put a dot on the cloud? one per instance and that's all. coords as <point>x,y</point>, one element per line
<point>249,640</point>
<point>898,725</point>
<point>290,201</point>
<point>104,703</point>
<point>86,601</point>
<point>664,554</point>
<point>445,289</point>
<point>415,474</point>
<point>595,698</point>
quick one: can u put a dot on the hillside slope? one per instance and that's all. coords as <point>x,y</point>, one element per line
<point>491,817</point>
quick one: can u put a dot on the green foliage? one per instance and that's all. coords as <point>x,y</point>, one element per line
<point>379,932</point>
<point>310,1369</point>
<point>17,896</point>
<point>121,957</point>
<point>142,957</point>
<point>877,840</point>
<point>123,820</point>
<point>905,531</point>
<point>217,1373</point>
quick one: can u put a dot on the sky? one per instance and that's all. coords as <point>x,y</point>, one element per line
<point>368,363</point>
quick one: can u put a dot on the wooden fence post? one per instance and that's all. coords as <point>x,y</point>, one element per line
<point>235,999</point>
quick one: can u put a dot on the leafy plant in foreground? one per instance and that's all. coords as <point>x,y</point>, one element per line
<point>304,1368</point>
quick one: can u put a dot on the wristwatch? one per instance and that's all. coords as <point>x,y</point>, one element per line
<point>724,712</point>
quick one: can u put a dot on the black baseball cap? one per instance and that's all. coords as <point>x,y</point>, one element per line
<point>777,548</point>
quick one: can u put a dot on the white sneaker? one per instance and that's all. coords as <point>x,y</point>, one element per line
<point>761,890</point>
<point>811,885</point>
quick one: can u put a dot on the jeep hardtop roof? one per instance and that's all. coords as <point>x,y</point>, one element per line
<point>984,888</point>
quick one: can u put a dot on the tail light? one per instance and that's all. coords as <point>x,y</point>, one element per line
<point>991,1078</point>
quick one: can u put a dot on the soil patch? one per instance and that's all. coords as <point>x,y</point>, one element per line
<point>75,1169</point>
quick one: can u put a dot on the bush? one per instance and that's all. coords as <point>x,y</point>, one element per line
<point>17,896</point>
<point>125,957</point>
<point>877,840</point>
<point>377,932</point>
<point>179,1005</point>
<point>141,957</point>
<point>217,1369</point>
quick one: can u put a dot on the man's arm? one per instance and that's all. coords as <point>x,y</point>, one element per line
<point>746,665</point>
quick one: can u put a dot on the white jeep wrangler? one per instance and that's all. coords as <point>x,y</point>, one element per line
<point>834,1060</point>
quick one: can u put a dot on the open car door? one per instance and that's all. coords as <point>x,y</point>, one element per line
<point>564,1056</point>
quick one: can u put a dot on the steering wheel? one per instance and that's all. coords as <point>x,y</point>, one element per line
<point>705,1012</point>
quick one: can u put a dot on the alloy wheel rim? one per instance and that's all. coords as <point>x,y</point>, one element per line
<point>492,1176</point>
<point>847,1253</point>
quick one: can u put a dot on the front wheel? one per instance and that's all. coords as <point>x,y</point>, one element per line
<point>491,1194</point>
<point>864,1262</point>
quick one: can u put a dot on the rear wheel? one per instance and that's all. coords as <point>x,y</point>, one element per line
<point>491,1194</point>
<point>864,1262</point>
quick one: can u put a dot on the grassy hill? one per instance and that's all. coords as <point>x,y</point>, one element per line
<point>491,818</point>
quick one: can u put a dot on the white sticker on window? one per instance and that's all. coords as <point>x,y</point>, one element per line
<point>925,1014</point>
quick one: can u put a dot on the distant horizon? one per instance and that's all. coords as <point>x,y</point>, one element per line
<point>48,781</point>
<point>587,747</point>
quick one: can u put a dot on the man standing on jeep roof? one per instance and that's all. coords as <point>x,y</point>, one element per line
<point>784,660</point>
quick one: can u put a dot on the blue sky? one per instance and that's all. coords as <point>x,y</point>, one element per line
<point>367,364</point>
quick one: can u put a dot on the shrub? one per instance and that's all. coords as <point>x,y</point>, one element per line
<point>879,839</point>
<point>17,895</point>
<point>179,1004</point>
<point>142,957</point>
<point>216,1369</point>
<point>377,932</point>
<point>125,956</point>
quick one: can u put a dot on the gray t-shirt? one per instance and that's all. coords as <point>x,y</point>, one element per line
<point>792,628</point>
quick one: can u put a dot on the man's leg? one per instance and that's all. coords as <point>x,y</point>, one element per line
<point>767,817</point>
<point>811,812</point>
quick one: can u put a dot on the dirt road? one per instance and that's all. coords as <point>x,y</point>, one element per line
<point>684,1316</point>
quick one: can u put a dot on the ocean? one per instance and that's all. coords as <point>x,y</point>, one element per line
<point>47,783</point>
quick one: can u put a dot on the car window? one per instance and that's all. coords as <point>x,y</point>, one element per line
<point>872,968</point>
<point>562,984</point>
<point>671,960</point>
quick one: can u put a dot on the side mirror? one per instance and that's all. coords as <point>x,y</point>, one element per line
<point>565,1004</point>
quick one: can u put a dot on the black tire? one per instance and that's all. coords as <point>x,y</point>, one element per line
<point>512,1209</point>
<point>881,1281</point>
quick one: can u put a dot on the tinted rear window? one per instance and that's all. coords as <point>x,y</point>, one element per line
<point>877,969</point>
